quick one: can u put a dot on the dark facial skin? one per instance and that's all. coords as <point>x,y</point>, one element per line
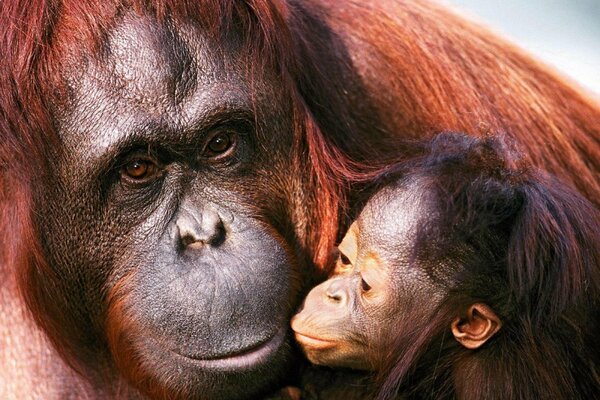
<point>348,320</point>
<point>156,221</point>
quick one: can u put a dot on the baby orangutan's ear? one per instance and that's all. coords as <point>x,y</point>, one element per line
<point>479,325</point>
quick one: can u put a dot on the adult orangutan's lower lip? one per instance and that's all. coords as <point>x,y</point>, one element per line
<point>245,358</point>
<point>313,342</point>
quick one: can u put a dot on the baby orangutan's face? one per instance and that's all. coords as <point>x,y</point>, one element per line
<point>334,325</point>
<point>346,320</point>
<point>380,292</point>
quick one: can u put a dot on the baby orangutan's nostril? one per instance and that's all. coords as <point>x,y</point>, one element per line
<point>334,296</point>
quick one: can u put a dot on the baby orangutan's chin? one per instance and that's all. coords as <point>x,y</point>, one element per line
<point>333,353</point>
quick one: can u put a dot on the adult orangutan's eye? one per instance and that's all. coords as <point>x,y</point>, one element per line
<point>220,144</point>
<point>140,170</point>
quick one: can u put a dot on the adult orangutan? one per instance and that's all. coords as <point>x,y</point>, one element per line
<point>173,173</point>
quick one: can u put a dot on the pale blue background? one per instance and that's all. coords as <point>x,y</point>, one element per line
<point>563,33</point>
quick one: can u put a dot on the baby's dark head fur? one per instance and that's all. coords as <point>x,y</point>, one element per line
<point>521,242</point>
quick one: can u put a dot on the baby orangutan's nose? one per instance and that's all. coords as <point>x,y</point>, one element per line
<point>335,292</point>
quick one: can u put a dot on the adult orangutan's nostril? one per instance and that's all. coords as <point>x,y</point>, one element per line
<point>218,235</point>
<point>206,229</point>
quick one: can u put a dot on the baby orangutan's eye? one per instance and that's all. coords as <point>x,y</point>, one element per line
<point>344,260</point>
<point>364,286</point>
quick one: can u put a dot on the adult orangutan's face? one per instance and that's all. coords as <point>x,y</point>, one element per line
<point>163,218</point>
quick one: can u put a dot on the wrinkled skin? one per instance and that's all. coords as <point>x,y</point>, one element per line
<point>157,215</point>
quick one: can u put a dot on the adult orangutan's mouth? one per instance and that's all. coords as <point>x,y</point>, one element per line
<point>313,342</point>
<point>248,357</point>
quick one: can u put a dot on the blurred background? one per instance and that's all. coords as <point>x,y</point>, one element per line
<point>563,33</point>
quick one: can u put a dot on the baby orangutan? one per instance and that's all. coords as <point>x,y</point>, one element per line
<point>471,276</point>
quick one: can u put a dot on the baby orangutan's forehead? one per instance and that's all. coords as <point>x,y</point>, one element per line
<point>391,216</point>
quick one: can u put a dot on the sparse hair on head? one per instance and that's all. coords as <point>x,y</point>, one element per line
<point>527,245</point>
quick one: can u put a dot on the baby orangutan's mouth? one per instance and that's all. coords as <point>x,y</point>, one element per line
<point>313,342</point>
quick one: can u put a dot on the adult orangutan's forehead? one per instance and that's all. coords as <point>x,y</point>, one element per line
<point>151,76</point>
<point>168,57</point>
<point>147,59</point>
